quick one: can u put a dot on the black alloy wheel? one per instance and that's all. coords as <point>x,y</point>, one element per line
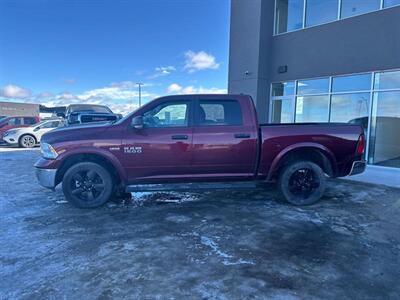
<point>302,183</point>
<point>87,185</point>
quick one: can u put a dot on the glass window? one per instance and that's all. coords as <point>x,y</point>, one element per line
<point>321,11</point>
<point>352,83</point>
<point>224,112</point>
<point>283,88</point>
<point>389,3</point>
<point>15,121</point>
<point>355,7</point>
<point>350,108</point>
<point>314,86</point>
<point>29,121</point>
<point>282,111</point>
<point>312,109</point>
<point>288,15</point>
<point>167,115</point>
<point>53,124</point>
<point>385,123</point>
<point>387,80</point>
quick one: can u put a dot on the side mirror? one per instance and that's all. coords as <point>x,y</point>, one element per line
<point>61,115</point>
<point>137,122</point>
<point>36,129</point>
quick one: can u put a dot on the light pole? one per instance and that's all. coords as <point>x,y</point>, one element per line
<point>139,84</point>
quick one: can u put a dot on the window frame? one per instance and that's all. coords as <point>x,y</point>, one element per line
<point>338,18</point>
<point>197,110</point>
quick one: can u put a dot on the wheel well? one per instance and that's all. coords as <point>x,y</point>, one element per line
<point>95,158</point>
<point>309,154</point>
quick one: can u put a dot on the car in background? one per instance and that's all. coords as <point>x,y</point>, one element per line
<point>7,123</point>
<point>89,113</point>
<point>29,137</point>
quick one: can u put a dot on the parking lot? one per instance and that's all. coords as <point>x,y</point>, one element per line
<point>213,245</point>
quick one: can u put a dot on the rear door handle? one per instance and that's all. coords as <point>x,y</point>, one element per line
<point>242,135</point>
<point>180,137</point>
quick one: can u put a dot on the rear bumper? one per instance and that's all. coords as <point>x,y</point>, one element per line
<point>46,177</point>
<point>358,167</point>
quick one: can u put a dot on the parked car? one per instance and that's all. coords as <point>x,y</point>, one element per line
<point>28,137</point>
<point>194,142</point>
<point>88,113</point>
<point>7,123</point>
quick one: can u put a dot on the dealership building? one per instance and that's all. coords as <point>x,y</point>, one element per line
<point>323,61</point>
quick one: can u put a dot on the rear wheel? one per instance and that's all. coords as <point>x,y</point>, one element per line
<point>302,183</point>
<point>87,185</point>
<point>27,141</point>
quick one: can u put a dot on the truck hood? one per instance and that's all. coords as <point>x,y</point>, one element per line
<point>75,132</point>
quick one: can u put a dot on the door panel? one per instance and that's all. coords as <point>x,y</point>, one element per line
<point>163,148</point>
<point>223,144</point>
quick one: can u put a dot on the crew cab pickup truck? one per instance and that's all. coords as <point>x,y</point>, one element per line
<point>88,113</point>
<point>195,142</point>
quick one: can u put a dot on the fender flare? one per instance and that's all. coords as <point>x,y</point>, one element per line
<point>295,147</point>
<point>96,151</point>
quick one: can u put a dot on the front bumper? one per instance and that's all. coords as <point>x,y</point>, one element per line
<point>47,177</point>
<point>358,167</point>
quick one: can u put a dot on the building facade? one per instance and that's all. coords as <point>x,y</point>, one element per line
<point>13,109</point>
<point>322,61</point>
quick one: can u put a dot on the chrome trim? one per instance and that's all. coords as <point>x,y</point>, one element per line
<point>358,167</point>
<point>46,177</point>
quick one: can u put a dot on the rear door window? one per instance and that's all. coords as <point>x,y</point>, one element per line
<point>218,113</point>
<point>29,121</point>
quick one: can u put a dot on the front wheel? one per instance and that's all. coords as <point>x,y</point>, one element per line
<point>27,141</point>
<point>302,183</point>
<point>87,185</point>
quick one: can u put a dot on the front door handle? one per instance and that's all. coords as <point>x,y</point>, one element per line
<point>242,135</point>
<point>180,137</point>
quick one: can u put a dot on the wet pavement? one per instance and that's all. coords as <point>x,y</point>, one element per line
<point>213,245</point>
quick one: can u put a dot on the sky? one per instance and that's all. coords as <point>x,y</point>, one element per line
<point>58,52</point>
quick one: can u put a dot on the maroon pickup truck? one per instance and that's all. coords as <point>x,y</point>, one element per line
<point>194,142</point>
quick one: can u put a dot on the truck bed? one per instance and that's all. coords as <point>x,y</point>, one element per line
<point>336,141</point>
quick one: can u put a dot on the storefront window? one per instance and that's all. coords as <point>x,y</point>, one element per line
<point>288,15</point>
<point>282,111</point>
<point>350,108</point>
<point>356,7</point>
<point>387,80</point>
<point>385,123</point>
<point>313,86</point>
<point>321,11</point>
<point>351,83</point>
<point>283,89</point>
<point>312,109</point>
<point>389,3</point>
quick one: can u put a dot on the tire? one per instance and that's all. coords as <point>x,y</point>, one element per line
<point>302,183</point>
<point>27,141</point>
<point>87,185</point>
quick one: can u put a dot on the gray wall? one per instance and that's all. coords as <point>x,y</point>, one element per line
<point>368,42</point>
<point>12,109</point>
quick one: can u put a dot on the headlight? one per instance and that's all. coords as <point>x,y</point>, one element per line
<point>9,132</point>
<point>48,151</point>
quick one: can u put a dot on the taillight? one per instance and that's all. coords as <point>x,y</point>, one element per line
<point>361,145</point>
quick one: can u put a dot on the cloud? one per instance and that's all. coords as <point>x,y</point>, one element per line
<point>14,91</point>
<point>162,71</point>
<point>121,97</point>
<point>177,89</point>
<point>196,61</point>
<point>174,88</point>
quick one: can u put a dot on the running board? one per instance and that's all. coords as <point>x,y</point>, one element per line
<point>189,187</point>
